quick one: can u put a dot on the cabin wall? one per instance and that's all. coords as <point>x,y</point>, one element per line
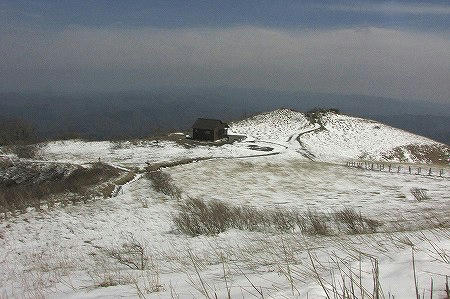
<point>202,134</point>
<point>208,134</point>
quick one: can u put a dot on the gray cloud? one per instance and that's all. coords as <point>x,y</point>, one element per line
<point>371,61</point>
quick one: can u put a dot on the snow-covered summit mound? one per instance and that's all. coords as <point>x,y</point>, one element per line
<point>332,137</point>
<point>344,136</point>
<point>277,126</point>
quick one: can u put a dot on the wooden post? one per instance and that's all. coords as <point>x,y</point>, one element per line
<point>409,169</point>
<point>419,170</point>
<point>429,172</point>
<point>398,169</point>
<point>441,172</point>
<point>389,167</point>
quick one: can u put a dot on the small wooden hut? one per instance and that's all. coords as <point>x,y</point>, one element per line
<point>206,129</point>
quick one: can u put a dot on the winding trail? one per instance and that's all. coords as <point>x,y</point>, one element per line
<point>303,150</point>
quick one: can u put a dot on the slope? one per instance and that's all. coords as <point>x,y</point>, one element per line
<point>331,137</point>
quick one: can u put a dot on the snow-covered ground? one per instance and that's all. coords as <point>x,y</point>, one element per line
<point>58,253</point>
<point>338,138</point>
<point>346,137</point>
<point>136,154</point>
<point>304,185</point>
<point>68,252</point>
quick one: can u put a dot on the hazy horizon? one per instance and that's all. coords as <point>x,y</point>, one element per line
<point>395,49</point>
<point>116,68</point>
<point>138,114</point>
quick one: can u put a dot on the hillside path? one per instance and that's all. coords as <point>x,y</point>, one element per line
<point>297,139</point>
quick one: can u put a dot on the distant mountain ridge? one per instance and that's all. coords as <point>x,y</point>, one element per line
<point>137,114</point>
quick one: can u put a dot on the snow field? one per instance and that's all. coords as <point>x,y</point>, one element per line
<point>347,138</point>
<point>60,253</point>
<point>303,185</point>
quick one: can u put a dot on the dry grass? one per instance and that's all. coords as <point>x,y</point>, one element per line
<point>318,224</point>
<point>108,190</point>
<point>197,217</point>
<point>25,151</point>
<point>112,189</point>
<point>162,182</point>
<point>103,279</point>
<point>157,166</point>
<point>79,183</point>
<point>131,254</point>
<point>346,266</point>
<point>127,263</point>
<point>125,179</point>
<point>420,194</point>
<point>5,163</point>
<point>82,178</point>
<point>436,154</point>
<point>315,115</point>
<point>356,223</point>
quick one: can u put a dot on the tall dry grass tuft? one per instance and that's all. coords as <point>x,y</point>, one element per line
<point>318,224</point>
<point>197,217</point>
<point>162,182</point>
<point>132,253</point>
<point>420,194</point>
<point>356,223</point>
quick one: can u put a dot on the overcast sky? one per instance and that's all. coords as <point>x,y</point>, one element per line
<point>383,48</point>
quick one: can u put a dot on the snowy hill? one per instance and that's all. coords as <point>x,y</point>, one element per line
<point>331,137</point>
<point>171,217</point>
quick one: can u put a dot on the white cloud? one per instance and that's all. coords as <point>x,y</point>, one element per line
<point>371,61</point>
<point>393,8</point>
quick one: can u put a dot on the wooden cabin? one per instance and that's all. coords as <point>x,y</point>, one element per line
<point>206,129</point>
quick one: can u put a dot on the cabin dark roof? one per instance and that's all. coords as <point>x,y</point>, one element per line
<point>208,124</point>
